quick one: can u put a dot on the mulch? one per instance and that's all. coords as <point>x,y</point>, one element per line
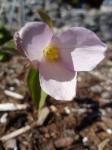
<point>82,124</point>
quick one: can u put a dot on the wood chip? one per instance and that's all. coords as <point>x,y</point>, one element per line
<point>11,144</point>
<point>102,145</point>
<point>12,107</point>
<point>13,94</point>
<point>42,117</point>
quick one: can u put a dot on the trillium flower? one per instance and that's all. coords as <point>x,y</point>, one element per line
<point>59,57</point>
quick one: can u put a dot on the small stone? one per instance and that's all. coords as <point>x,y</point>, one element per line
<point>11,88</point>
<point>63,142</point>
<point>85,140</point>
<point>3,118</point>
<point>109,131</point>
<point>53,108</point>
<point>50,146</point>
<point>103,112</point>
<point>105,95</point>
<point>96,88</point>
<point>67,110</point>
<point>47,135</point>
<point>53,135</point>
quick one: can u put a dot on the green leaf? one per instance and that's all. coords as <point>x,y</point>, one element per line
<point>45,17</point>
<point>10,47</point>
<point>38,96</point>
<point>4,56</point>
<point>10,44</point>
<point>5,35</point>
<point>42,99</point>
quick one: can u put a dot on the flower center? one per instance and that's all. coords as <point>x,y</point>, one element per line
<point>51,53</point>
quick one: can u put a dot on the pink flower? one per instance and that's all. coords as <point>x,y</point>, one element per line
<point>59,57</point>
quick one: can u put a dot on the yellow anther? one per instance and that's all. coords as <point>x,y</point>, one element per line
<point>51,53</point>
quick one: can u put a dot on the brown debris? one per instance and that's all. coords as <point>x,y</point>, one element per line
<point>63,142</point>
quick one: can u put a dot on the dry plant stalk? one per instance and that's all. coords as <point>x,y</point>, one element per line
<point>42,117</point>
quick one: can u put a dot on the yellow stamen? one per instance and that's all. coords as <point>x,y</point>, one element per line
<point>51,53</point>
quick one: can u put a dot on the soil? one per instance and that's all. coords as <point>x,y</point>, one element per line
<point>82,124</point>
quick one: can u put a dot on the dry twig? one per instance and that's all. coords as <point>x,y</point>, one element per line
<point>12,107</point>
<point>13,94</point>
<point>42,117</point>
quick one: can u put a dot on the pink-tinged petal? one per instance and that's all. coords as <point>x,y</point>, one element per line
<point>33,38</point>
<point>77,44</point>
<point>87,58</point>
<point>57,81</point>
<point>18,42</point>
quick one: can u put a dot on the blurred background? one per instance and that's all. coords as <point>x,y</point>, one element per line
<point>93,14</point>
